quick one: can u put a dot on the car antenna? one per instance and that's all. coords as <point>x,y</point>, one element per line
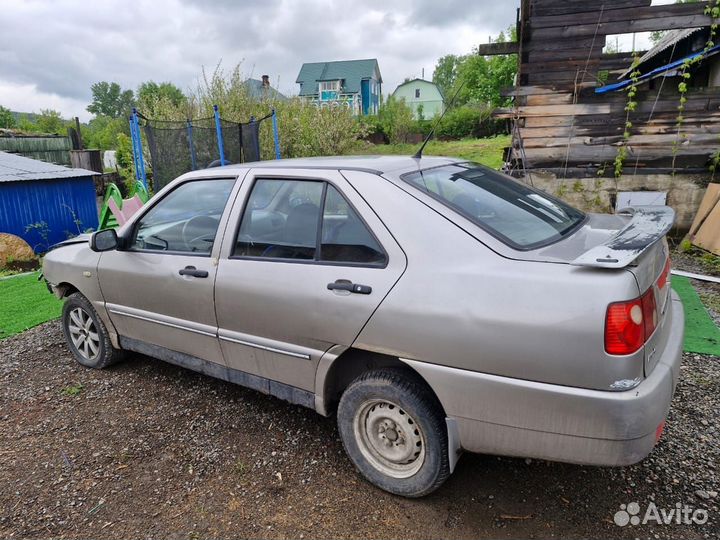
<point>418,154</point>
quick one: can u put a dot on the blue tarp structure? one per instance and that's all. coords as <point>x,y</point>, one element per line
<point>657,71</point>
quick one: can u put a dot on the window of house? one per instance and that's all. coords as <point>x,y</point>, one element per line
<point>305,220</point>
<point>417,93</point>
<point>329,86</point>
<point>186,220</point>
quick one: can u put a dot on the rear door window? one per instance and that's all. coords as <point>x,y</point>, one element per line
<point>305,220</point>
<point>516,214</point>
<point>345,237</point>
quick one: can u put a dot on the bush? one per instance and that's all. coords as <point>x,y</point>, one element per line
<point>395,119</point>
<point>472,120</point>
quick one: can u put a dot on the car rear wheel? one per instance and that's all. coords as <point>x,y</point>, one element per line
<point>393,430</point>
<point>86,335</point>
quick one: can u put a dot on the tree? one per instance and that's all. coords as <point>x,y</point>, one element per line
<point>26,125</point>
<point>446,72</point>
<point>110,100</point>
<point>396,119</point>
<point>482,78</point>
<point>102,132</point>
<point>7,118</point>
<point>50,121</point>
<point>151,95</point>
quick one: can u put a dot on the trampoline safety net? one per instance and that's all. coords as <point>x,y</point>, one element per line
<point>179,147</point>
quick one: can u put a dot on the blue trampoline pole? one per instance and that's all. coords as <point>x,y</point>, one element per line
<point>276,135</point>
<point>193,157</point>
<point>141,160</point>
<point>218,130</point>
<point>134,150</point>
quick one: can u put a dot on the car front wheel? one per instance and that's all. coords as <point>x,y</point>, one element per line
<point>86,335</point>
<point>393,430</point>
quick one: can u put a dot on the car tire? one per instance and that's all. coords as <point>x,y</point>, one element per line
<point>86,335</point>
<point>393,429</point>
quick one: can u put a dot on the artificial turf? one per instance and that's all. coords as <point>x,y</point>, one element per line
<point>25,302</point>
<point>701,334</point>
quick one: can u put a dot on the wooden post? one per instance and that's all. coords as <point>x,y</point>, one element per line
<point>79,134</point>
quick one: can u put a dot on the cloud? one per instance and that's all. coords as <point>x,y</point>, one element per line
<point>51,52</point>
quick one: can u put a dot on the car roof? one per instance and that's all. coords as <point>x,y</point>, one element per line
<point>373,164</point>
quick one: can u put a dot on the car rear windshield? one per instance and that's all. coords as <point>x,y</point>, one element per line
<point>516,214</point>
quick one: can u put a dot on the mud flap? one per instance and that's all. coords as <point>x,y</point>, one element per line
<point>454,448</point>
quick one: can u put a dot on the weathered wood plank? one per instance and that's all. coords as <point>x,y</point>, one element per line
<point>710,130</point>
<point>557,110</point>
<point>655,141</point>
<point>543,7</point>
<point>625,27</point>
<point>620,14</point>
<point>562,65</point>
<point>547,45</point>
<point>549,99</point>
<point>492,49</point>
<point>661,106</point>
<point>582,153</point>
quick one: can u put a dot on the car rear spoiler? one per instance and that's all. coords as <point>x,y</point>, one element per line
<point>647,225</point>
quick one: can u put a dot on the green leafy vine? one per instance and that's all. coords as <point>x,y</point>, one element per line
<point>630,107</point>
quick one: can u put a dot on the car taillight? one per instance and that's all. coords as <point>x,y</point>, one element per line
<point>650,316</point>
<point>629,324</point>
<point>664,278</point>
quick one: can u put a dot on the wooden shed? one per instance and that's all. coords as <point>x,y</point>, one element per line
<point>576,132</point>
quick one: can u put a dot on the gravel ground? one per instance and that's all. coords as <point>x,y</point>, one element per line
<point>149,450</point>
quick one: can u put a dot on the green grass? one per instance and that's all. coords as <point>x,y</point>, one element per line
<point>701,334</point>
<point>486,151</point>
<point>25,302</point>
<point>72,390</point>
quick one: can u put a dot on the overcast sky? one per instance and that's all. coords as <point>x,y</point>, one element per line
<point>51,51</point>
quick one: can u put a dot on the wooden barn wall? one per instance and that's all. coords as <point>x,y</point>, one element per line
<point>565,126</point>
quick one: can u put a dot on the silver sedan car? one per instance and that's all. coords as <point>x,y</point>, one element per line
<point>432,304</point>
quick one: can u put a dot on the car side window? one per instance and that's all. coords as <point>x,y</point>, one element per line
<point>286,226</point>
<point>306,220</point>
<point>345,238</point>
<point>186,220</point>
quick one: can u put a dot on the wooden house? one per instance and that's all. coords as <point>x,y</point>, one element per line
<point>423,97</point>
<point>355,84</point>
<point>588,124</point>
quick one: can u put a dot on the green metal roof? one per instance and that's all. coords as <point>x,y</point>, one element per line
<point>351,72</point>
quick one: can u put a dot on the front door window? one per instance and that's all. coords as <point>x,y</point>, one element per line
<point>186,220</point>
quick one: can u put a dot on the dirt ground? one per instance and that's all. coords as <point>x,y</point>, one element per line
<point>149,450</point>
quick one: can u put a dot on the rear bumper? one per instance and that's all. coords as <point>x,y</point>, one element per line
<point>505,416</point>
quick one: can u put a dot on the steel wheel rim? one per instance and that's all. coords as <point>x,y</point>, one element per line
<point>83,333</point>
<point>389,438</point>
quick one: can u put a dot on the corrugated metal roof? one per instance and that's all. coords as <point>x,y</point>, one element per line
<point>14,168</point>
<point>351,71</point>
<point>668,40</point>
<point>257,91</point>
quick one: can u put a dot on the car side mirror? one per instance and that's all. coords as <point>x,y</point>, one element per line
<point>104,240</point>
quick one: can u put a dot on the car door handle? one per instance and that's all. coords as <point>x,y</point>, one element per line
<point>194,272</point>
<point>345,285</point>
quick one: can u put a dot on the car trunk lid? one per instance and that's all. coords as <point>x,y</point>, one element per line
<point>632,240</point>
